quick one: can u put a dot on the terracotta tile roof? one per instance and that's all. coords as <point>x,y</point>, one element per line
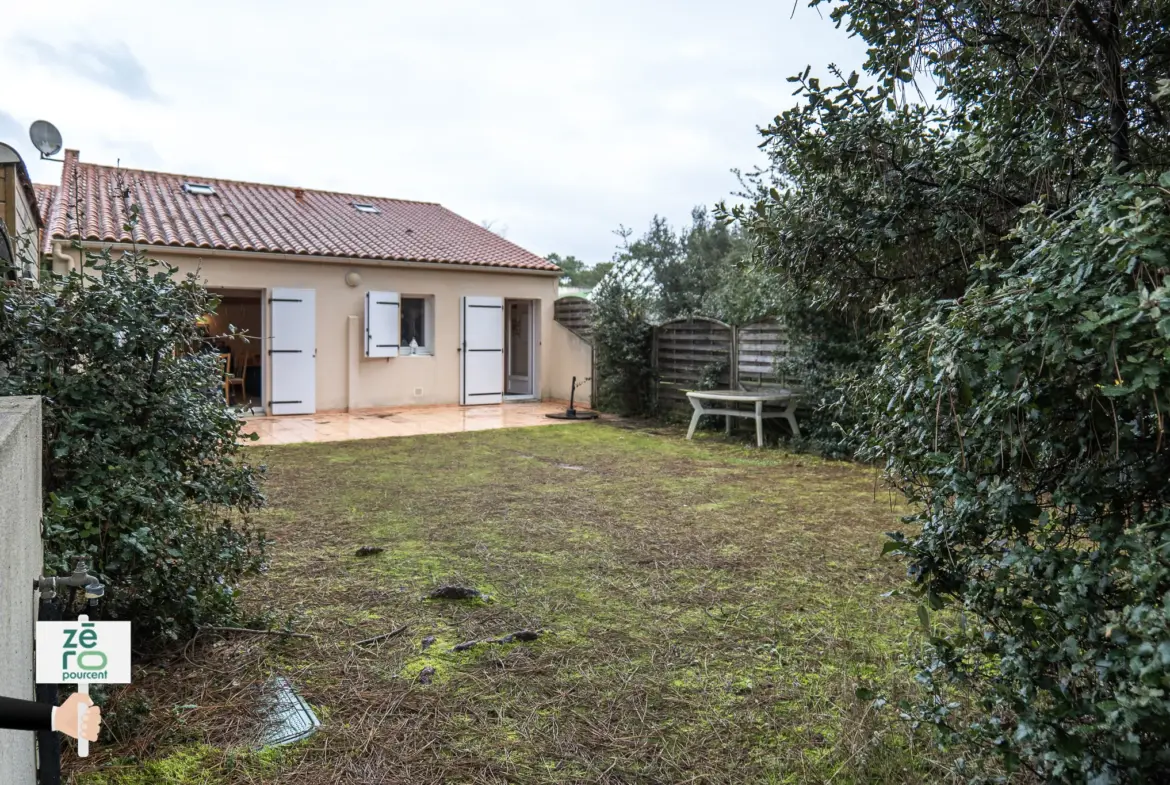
<point>46,196</point>
<point>272,219</point>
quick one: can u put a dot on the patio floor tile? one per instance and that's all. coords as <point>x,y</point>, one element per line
<point>400,421</point>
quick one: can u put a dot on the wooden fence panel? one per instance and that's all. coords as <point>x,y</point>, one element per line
<point>689,354</point>
<point>760,348</point>
<point>575,313</point>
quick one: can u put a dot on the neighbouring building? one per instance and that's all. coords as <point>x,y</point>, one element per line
<point>349,302</point>
<point>21,227</point>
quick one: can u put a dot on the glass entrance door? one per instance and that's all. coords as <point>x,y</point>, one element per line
<point>519,348</point>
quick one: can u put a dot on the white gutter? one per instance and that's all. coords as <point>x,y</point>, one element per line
<point>309,259</point>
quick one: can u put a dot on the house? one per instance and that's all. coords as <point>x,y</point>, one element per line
<point>21,226</point>
<point>352,302</point>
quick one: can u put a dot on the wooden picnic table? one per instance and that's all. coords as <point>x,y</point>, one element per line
<point>757,397</point>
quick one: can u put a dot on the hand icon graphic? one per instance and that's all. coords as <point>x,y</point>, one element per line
<point>68,718</point>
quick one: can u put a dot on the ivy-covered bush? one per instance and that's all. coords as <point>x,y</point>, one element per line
<point>143,473</point>
<point>1028,422</point>
<point>622,341</point>
<point>830,360</point>
<point>970,236</point>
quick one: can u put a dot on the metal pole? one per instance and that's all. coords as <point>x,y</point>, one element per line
<point>83,689</point>
<point>48,741</point>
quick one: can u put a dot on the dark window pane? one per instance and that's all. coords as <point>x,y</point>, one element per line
<point>414,321</point>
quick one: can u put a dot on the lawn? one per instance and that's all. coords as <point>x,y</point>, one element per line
<point>707,612</point>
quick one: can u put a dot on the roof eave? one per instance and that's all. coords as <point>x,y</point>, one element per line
<point>279,256</point>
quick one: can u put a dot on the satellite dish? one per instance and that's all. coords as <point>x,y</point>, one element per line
<point>45,137</point>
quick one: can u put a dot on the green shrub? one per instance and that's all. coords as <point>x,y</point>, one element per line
<point>1027,421</point>
<point>623,341</point>
<point>831,360</point>
<point>143,472</point>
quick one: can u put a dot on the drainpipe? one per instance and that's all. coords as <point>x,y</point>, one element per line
<point>61,257</point>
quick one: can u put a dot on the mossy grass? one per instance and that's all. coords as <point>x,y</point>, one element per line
<point>709,613</point>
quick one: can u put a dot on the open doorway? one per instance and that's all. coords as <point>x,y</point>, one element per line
<point>520,350</point>
<point>235,331</point>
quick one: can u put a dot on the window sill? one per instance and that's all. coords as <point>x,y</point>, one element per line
<point>420,354</point>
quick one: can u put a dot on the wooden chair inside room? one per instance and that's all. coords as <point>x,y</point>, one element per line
<point>248,360</point>
<point>232,377</point>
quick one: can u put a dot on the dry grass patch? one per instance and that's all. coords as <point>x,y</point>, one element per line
<point>708,613</point>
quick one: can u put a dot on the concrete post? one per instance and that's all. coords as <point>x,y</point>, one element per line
<point>20,565</point>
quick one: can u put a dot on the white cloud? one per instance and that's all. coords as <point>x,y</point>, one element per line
<point>110,64</point>
<point>558,121</point>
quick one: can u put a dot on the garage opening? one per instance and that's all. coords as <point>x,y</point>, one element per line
<point>235,331</point>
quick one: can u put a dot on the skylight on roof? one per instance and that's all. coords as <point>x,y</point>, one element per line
<point>365,208</point>
<point>199,189</point>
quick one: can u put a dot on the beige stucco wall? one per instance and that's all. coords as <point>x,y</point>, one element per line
<point>345,379</point>
<point>571,356</point>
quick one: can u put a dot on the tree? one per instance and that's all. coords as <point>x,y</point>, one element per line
<point>578,273</point>
<point>704,269</point>
<point>1026,422</point>
<point>596,273</point>
<point>622,339</point>
<point>978,272</point>
<point>872,197</point>
<point>143,471</point>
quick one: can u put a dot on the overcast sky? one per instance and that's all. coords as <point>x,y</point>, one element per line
<point>557,121</point>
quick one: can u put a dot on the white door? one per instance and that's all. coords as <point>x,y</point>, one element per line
<point>293,351</point>
<point>481,370</point>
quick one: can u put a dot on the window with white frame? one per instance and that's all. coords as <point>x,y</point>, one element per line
<point>418,323</point>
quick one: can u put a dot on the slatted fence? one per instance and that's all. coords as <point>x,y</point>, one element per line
<point>690,354</point>
<point>575,313</point>
<point>761,348</point>
<point>699,352</point>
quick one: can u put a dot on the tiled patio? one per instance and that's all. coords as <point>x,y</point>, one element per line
<point>401,421</point>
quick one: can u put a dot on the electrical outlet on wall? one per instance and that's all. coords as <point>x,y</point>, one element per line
<point>418,391</point>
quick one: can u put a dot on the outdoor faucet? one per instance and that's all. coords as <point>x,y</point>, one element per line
<point>80,579</point>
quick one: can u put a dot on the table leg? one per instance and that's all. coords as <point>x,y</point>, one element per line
<point>790,415</point>
<point>759,424</point>
<point>695,418</point>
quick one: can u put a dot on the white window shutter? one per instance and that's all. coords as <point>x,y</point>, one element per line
<point>383,324</point>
